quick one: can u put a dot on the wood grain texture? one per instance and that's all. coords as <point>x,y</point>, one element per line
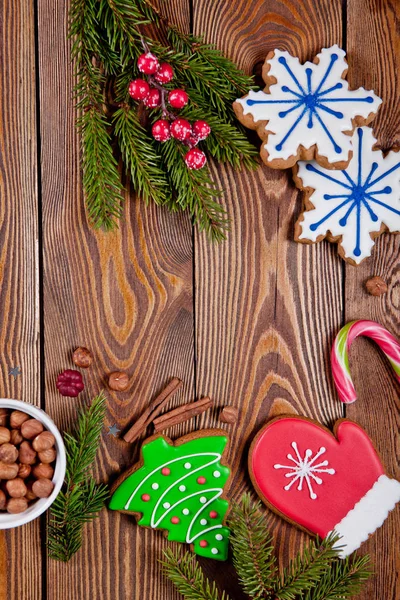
<point>266,307</point>
<point>128,297</point>
<point>20,549</point>
<point>374,57</point>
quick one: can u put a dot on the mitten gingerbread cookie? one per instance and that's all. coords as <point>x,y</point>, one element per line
<point>306,111</point>
<point>178,487</point>
<point>328,482</point>
<point>354,206</point>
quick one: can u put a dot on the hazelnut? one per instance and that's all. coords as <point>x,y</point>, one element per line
<point>17,418</point>
<point>42,487</point>
<point>229,414</point>
<point>3,500</point>
<point>15,436</point>
<point>5,435</point>
<point>376,286</point>
<point>30,494</point>
<point>118,381</point>
<point>3,417</point>
<point>31,428</point>
<point>82,357</point>
<point>16,488</point>
<point>43,470</point>
<point>8,453</point>
<point>43,441</point>
<point>17,505</point>
<point>47,456</point>
<point>26,453</point>
<point>8,471</point>
<point>24,471</point>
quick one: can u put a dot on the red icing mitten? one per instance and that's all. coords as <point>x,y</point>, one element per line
<point>323,482</point>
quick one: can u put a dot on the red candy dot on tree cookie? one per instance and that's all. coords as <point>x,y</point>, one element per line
<point>146,498</point>
<point>166,471</point>
<point>201,480</point>
<point>213,514</point>
<point>203,544</point>
<point>175,520</point>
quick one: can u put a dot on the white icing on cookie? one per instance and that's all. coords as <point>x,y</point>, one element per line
<point>310,104</point>
<point>355,202</point>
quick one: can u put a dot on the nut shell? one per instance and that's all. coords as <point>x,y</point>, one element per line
<point>17,417</point>
<point>27,455</point>
<point>118,381</point>
<point>8,453</point>
<point>5,435</point>
<point>16,488</point>
<point>17,505</point>
<point>24,471</point>
<point>16,436</point>
<point>43,470</point>
<point>48,456</point>
<point>376,286</point>
<point>8,471</point>
<point>43,441</point>
<point>3,500</point>
<point>31,428</point>
<point>229,414</point>
<point>42,487</point>
<point>82,357</point>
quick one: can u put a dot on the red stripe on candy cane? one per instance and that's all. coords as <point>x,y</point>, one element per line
<point>381,336</point>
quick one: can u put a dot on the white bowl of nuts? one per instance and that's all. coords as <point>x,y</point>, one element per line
<point>32,462</point>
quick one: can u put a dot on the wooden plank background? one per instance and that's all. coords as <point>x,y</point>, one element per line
<point>247,321</point>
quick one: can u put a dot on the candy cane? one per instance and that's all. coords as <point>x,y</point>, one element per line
<point>340,354</point>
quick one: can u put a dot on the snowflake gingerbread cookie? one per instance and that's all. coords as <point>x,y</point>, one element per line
<point>178,487</point>
<point>306,111</point>
<point>328,482</point>
<point>354,206</point>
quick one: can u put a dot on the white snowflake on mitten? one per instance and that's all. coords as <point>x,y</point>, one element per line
<point>309,105</point>
<point>355,205</point>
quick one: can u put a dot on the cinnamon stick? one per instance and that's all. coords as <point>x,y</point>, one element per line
<point>181,414</point>
<point>154,409</point>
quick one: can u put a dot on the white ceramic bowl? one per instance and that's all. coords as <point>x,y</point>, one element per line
<point>37,507</point>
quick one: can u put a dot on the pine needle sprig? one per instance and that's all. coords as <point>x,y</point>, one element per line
<point>252,547</point>
<point>306,569</point>
<point>194,191</point>
<point>188,577</point>
<point>140,157</point>
<point>344,579</point>
<point>80,498</point>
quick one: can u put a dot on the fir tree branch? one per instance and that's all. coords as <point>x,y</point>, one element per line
<point>306,569</point>
<point>252,549</point>
<point>101,180</point>
<point>188,577</point>
<point>194,191</point>
<point>140,157</point>
<point>81,498</point>
<point>342,580</point>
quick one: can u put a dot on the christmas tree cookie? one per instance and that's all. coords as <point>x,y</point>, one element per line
<point>306,111</point>
<point>178,487</point>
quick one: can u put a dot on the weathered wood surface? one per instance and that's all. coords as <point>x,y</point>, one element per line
<point>248,321</point>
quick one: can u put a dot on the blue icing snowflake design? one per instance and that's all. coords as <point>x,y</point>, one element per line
<point>309,105</point>
<point>361,198</point>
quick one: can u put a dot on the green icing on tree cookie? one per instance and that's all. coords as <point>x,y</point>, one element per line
<point>178,489</point>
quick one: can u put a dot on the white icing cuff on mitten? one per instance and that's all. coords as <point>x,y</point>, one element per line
<point>367,515</point>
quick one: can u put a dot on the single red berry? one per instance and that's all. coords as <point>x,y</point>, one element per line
<point>138,89</point>
<point>181,129</point>
<point>195,159</point>
<point>161,130</point>
<point>164,74</point>
<point>153,99</point>
<point>148,63</point>
<point>70,383</point>
<point>192,140</point>
<point>178,98</point>
<point>201,129</point>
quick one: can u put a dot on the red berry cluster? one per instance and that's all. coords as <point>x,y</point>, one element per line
<point>153,95</point>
